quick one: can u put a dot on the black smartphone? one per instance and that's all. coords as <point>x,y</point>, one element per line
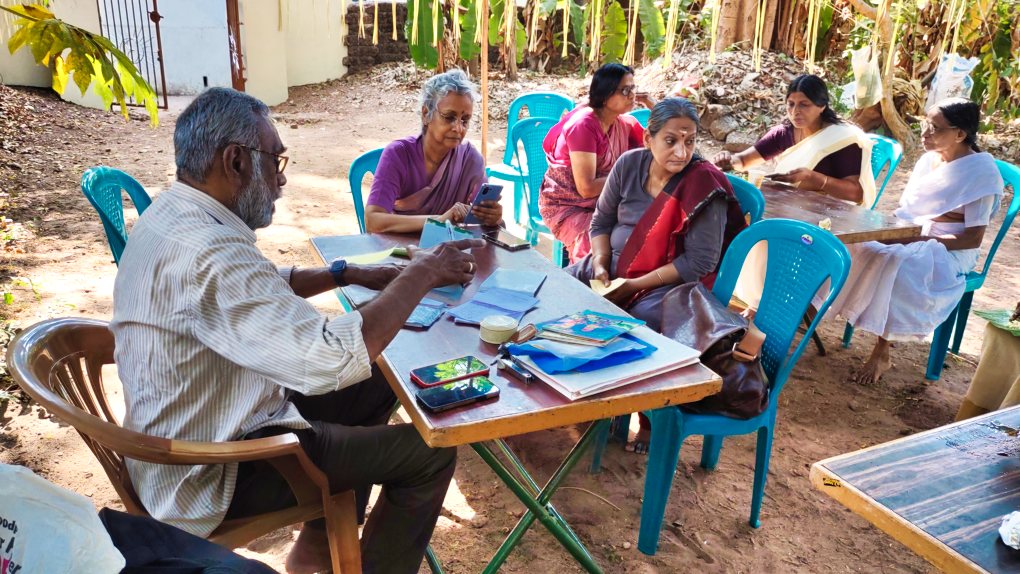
<point>450,395</point>
<point>504,239</point>
<point>487,192</point>
<point>447,371</point>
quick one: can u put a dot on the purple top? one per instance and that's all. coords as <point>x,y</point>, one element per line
<point>401,174</point>
<point>839,164</point>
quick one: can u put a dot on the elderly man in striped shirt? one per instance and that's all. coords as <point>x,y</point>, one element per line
<point>215,343</point>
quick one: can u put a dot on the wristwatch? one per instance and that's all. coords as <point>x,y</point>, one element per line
<point>336,269</point>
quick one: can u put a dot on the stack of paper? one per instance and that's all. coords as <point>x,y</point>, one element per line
<point>515,280</point>
<point>425,314</point>
<point>587,328</point>
<point>668,355</point>
<point>493,301</point>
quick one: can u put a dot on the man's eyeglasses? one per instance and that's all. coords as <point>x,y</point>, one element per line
<point>452,119</point>
<point>281,160</point>
<point>627,91</point>
<point>928,127</point>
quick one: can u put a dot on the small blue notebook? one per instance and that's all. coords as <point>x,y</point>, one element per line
<point>515,280</point>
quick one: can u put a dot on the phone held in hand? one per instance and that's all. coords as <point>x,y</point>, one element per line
<point>504,239</point>
<point>487,192</point>
<point>458,393</point>
<point>447,371</point>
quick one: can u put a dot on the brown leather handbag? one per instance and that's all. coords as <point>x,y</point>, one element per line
<point>729,345</point>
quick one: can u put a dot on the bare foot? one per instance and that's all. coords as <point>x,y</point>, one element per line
<point>310,553</point>
<point>877,364</point>
<point>640,443</point>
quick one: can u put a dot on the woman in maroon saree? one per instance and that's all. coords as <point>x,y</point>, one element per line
<point>664,218</point>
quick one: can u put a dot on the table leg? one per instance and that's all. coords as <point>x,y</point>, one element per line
<point>537,501</point>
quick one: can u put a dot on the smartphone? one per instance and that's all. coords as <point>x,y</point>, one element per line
<point>457,393</point>
<point>488,192</point>
<point>452,370</point>
<point>505,240</point>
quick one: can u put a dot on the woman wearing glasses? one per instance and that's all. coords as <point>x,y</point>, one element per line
<point>904,290</point>
<point>582,148</point>
<point>435,174</point>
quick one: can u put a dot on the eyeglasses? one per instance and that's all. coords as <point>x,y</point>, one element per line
<point>627,91</point>
<point>452,119</point>
<point>928,127</point>
<point>281,160</point>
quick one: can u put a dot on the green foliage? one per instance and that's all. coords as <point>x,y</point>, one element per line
<point>614,33</point>
<point>496,25</point>
<point>653,29</point>
<point>90,59</point>
<point>470,48</point>
<point>423,52</point>
<point>578,17</point>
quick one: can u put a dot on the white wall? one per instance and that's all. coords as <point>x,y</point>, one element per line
<point>315,47</point>
<point>195,45</point>
<point>20,68</point>
<point>264,44</point>
<point>83,14</point>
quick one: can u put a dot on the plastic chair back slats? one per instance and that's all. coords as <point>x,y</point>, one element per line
<point>751,200</point>
<point>363,165</point>
<point>103,186</point>
<point>537,104</point>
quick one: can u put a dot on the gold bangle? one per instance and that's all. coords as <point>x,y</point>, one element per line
<point>659,275</point>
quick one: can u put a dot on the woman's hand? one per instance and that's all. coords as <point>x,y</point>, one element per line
<point>644,99</point>
<point>802,177</point>
<point>623,294</point>
<point>455,214</point>
<point>600,268</point>
<point>723,160</point>
<point>489,212</point>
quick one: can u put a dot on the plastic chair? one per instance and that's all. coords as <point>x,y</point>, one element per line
<point>59,362</point>
<point>751,200</point>
<point>954,325</point>
<point>884,152</point>
<point>538,104</point>
<point>363,164</point>
<point>800,258</point>
<point>641,115</point>
<point>529,133</point>
<point>103,186</point>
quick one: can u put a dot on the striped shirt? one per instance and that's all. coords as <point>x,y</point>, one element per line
<point>209,338</point>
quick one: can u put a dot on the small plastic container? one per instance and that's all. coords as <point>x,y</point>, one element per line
<point>497,329</point>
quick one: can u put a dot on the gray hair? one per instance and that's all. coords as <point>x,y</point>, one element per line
<point>668,109</point>
<point>215,119</point>
<point>441,85</point>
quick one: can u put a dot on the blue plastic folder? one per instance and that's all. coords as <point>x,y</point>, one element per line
<point>434,233</point>
<point>555,357</point>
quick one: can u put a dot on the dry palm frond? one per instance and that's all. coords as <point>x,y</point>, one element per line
<point>566,25</point>
<point>393,17</point>
<point>714,25</point>
<point>632,32</point>
<point>361,18</point>
<point>671,32</point>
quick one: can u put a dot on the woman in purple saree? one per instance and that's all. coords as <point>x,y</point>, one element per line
<point>435,174</point>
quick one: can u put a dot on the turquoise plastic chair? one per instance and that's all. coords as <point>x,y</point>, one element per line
<point>103,186</point>
<point>528,134</point>
<point>641,115</point>
<point>884,152</point>
<point>954,325</point>
<point>800,258</point>
<point>538,104</point>
<point>363,164</point>
<point>751,200</point>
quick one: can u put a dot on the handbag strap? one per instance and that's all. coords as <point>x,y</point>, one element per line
<point>749,347</point>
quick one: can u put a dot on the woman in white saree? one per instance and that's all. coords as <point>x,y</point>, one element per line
<point>904,290</point>
<point>813,150</point>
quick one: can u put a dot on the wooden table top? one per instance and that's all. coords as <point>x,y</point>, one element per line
<point>942,493</point>
<point>850,223</point>
<point>520,408</point>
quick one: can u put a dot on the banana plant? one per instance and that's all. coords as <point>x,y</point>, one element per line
<point>420,33</point>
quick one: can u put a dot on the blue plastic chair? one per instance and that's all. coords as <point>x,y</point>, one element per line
<point>103,186</point>
<point>884,152</point>
<point>800,258</point>
<point>538,104</point>
<point>641,115</point>
<point>954,325</point>
<point>751,200</point>
<point>363,164</point>
<point>528,134</point>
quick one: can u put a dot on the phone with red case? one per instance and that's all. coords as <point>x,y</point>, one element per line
<point>447,371</point>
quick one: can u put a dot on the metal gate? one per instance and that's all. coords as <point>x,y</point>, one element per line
<point>133,26</point>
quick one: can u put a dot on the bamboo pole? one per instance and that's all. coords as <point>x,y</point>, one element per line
<point>485,81</point>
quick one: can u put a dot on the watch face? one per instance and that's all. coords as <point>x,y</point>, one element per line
<point>337,269</point>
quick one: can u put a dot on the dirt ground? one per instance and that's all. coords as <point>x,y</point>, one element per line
<point>56,263</point>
